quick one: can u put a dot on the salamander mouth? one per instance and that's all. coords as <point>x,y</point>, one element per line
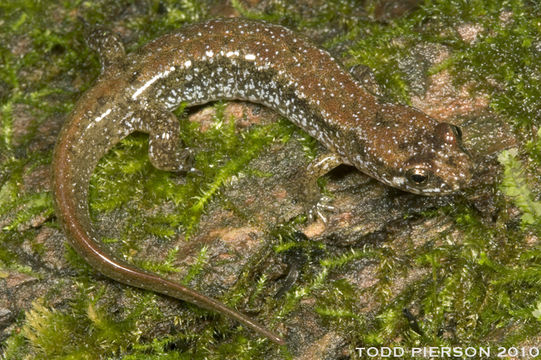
<point>434,187</point>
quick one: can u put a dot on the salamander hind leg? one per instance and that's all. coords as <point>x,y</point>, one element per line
<point>165,146</point>
<point>107,44</point>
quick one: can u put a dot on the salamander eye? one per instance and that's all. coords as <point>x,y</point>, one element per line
<point>418,176</point>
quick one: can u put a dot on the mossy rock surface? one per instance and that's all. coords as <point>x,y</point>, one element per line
<point>387,269</point>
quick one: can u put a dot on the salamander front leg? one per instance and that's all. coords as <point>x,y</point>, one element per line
<point>165,147</point>
<point>323,163</point>
<point>317,168</point>
<point>319,204</point>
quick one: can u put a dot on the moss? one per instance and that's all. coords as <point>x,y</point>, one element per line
<point>16,347</point>
<point>34,204</point>
<point>475,291</point>
<point>125,173</point>
<point>479,290</point>
<point>197,267</point>
<point>479,287</point>
<point>335,298</point>
<point>509,37</point>
<point>86,330</point>
<point>515,186</point>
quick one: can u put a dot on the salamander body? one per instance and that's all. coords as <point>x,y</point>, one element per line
<point>243,60</point>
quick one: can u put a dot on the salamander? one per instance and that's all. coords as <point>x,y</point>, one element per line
<point>238,59</point>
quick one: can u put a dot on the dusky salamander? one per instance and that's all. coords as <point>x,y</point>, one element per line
<point>243,60</point>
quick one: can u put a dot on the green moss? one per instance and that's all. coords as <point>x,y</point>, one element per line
<point>16,347</point>
<point>515,186</point>
<point>34,204</point>
<point>335,298</point>
<point>125,174</point>
<point>473,291</point>
<point>476,288</point>
<point>197,267</point>
<point>511,45</point>
<point>163,266</point>
<point>85,330</point>
<point>33,54</point>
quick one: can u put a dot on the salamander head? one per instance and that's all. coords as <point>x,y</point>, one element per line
<point>442,167</point>
<point>415,153</point>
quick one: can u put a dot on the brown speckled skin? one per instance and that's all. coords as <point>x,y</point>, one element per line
<point>246,60</point>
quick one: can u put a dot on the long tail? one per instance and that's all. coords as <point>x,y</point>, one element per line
<point>70,186</point>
